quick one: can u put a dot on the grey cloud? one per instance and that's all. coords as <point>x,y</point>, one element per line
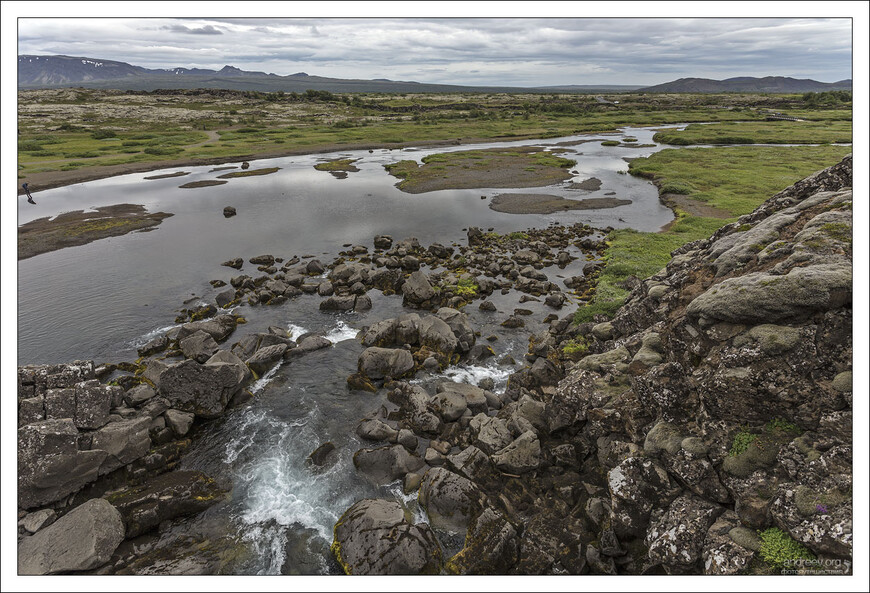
<point>205,30</point>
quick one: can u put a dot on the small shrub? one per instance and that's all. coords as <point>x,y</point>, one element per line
<point>162,150</point>
<point>742,440</point>
<point>778,549</point>
<point>101,134</point>
<point>576,347</point>
<point>677,187</point>
<point>780,425</point>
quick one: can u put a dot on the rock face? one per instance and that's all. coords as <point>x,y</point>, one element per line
<point>374,537</point>
<point>83,539</point>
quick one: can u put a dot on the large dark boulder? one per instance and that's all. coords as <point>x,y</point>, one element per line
<point>204,389</point>
<point>386,464</point>
<point>83,539</point>
<point>374,537</point>
<point>449,499</point>
<point>377,363</point>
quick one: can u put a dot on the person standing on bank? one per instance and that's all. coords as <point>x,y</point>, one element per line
<point>27,191</point>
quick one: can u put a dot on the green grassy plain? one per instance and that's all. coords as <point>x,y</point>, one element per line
<point>74,129</point>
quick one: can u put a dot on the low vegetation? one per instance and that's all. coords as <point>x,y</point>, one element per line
<point>732,180</point>
<point>124,127</point>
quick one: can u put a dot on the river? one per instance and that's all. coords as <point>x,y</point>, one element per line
<point>103,300</point>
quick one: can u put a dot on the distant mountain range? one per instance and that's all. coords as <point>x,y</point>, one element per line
<point>747,84</point>
<point>36,72</point>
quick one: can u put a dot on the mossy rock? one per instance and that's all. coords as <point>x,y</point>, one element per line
<point>761,452</point>
<point>772,339</point>
<point>808,499</point>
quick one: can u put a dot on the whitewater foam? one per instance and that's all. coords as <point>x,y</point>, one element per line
<point>341,332</point>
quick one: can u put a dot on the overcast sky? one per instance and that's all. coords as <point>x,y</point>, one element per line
<point>508,52</point>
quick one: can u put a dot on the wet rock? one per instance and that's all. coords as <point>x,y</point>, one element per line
<point>158,344</point>
<point>449,499</point>
<point>338,303</point>
<point>314,267</point>
<point>378,363</point>
<point>263,260</point>
<point>320,456</point>
<point>460,326</point>
<point>165,497</point>
<point>383,241</point>
<point>179,422</point>
<point>229,211</point>
<point>265,358</point>
<point>487,306</point>
<point>198,346</point>
<point>386,464</point>
<point>436,335</point>
<point>373,429</point>
<point>374,537</point>
<point>234,263</point>
<point>219,328</point>
<point>83,539</point>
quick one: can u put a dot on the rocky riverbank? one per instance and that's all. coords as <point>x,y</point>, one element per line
<point>709,418</point>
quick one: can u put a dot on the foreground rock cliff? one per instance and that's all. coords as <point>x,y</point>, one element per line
<point>707,430</point>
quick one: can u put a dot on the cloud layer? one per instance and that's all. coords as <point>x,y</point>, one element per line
<point>512,51</point>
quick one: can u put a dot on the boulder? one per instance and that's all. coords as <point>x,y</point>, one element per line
<point>321,455</point>
<point>521,456</point>
<point>83,539</point>
<point>449,499</point>
<point>265,358</point>
<point>234,263</point>
<point>219,327</point>
<point>374,537</point>
<point>124,442</point>
<point>158,344</point>
<point>386,464</point>
<point>378,363</point>
<point>93,402</point>
<point>460,326</point>
<point>372,429</point>
<point>417,290</point>
<point>637,485</point>
<point>436,335</point>
<point>198,346</point>
<point>179,422</point>
<point>229,211</point>
<point>491,434</point>
<point>383,241</point>
<point>204,389</point>
<point>721,553</point>
<point>760,297</point>
<point>50,466</point>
